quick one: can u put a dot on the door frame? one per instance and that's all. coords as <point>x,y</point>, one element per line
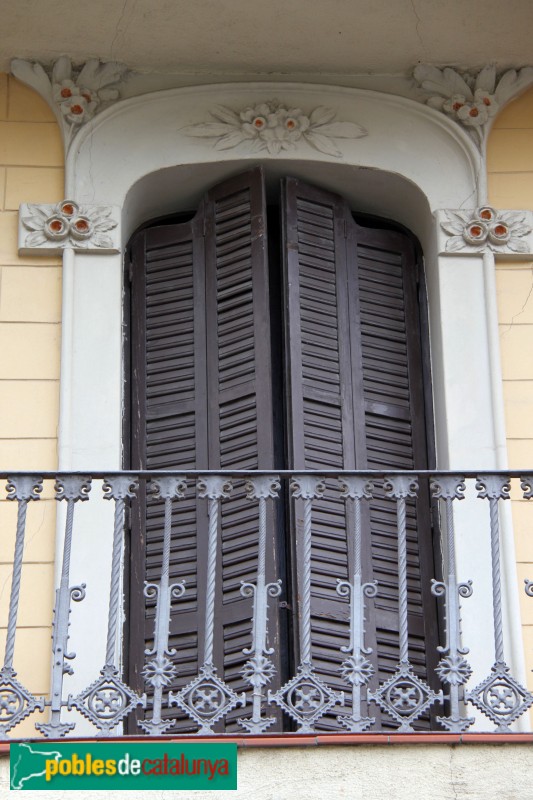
<point>137,157</point>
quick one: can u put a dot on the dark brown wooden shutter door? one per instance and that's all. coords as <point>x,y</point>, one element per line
<point>202,380</point>
<point>355,395</point>
<point>320,421</point>
<point>390,395</point>
<point>240,417</point>
<point>168,375</point>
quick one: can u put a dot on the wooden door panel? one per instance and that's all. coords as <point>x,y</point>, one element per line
<point>202,381</point>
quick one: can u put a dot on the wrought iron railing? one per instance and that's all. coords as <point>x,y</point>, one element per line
<point>305,698</point>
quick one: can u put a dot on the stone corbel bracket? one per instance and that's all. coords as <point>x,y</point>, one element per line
<point>75,94</point>
<point>473,231</point>
<point>47,229</point>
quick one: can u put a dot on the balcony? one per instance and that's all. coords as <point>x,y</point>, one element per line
<point>466,690</point>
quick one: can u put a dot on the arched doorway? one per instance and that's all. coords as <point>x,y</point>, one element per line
<point>301,349</point>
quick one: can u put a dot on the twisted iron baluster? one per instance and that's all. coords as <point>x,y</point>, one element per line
<point>16,702</point>
<point>306,698</point>
<point>305,625</point>
<point>496,578</point>
<point>160,671</point>
<point>214,489</point>
<point>404,695</point>
<point>500,697</point>
<point>260,670</point>
<point>108,700</point>
<point>356,669</point>
<point>207,699</point>
<point>401,493</point>
<point>72,488</point>
<point>453,668</point>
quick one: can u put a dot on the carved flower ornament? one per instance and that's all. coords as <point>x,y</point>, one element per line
<point>471,100</point>
<point>67,224</point>
<point>80,95</point>
<point>275,127</point>
<point>76,94</point>
<point>78,104</point>
<point>486,227</point>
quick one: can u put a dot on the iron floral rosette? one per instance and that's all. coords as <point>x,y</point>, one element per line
<point>275,127</point>
<point>486,228</point>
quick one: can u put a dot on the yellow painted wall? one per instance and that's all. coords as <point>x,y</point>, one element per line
<point>510,164</point>
<point>31,170</point>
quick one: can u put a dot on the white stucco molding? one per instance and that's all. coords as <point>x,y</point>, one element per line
<point>46,229</point>
<point>470,98</point>
<point>482,229</point>
<point>143,135</point>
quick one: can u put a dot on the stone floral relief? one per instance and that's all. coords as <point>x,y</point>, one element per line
<point>75,94</point>
<point>487,228</point>
<point>49,228</point>
<point>471,99</point>
<point>274,127</point>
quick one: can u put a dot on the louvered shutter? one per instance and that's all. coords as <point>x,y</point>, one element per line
<point>168,378</point>
<point>239,413</point>
<point>201,348</point>
<point>355,395</point>
<point>395,436</point>
<point>319,400</point>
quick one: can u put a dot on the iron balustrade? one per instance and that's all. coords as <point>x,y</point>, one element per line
<point>306,698</point>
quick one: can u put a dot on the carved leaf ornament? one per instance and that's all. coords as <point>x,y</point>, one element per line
<point>274,127</point>
<point>486,227</point>
<point>471,99</point>
<point>75,94</point>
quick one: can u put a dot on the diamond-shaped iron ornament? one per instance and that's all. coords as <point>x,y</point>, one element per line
<point>206,699</point>
<point>107,701</point>
<point>306,698</point>
<point>16,702</point>
<point>405,696</point>
<point>500,697</point>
